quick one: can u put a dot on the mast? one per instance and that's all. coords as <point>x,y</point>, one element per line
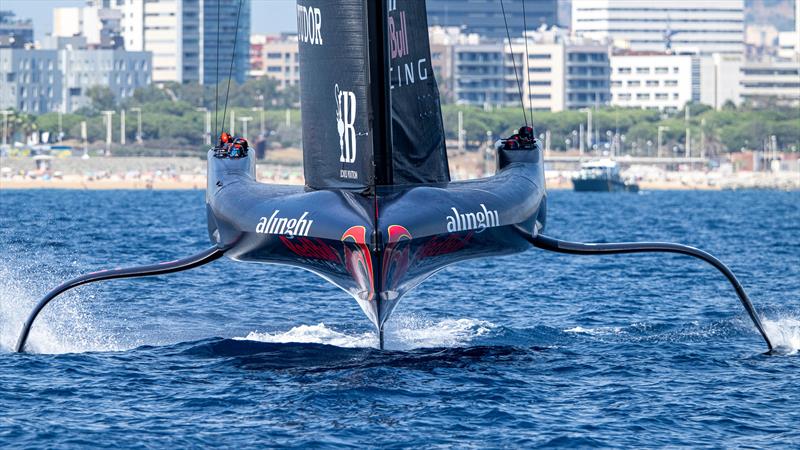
<point>379,90</point>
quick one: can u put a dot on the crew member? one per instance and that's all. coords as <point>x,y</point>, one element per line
<point>522,140</point>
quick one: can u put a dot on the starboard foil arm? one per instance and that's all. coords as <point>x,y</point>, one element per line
<point>579,248</point>
<point>178,265</point>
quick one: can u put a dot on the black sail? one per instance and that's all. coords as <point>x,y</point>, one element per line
<point>369,99</point>
<point>333,41</point>
<point>418,147</point>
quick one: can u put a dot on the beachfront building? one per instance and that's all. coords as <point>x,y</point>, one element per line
<point>720,79</point>
<point>276,57</point>
<point>121,71</point>
<point>480,76</point>
<point>30,80</point>
<point>558,72</point>
<point>485,17</point>
<point>696,26</point>
<point>58,79</point>
<point>770,82</point>
<point>587,73</point>
<point>651,80</point>
<point>562,72</point>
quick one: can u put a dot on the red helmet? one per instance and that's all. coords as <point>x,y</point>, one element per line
<point>526,132</point>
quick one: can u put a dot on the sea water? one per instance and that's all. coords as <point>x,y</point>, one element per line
<point>526,350</point>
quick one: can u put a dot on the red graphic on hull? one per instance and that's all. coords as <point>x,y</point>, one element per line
<point>438,247</point>
<point>396,260</point>
<point>359,260</point>
<point>311,248</point>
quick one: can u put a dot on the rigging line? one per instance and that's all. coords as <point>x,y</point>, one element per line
<point>527,56</point>
<point>233,58</point>
<point>516,75</point>
<point>216,81</point>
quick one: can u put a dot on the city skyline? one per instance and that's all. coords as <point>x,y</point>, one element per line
<point>275,16</point>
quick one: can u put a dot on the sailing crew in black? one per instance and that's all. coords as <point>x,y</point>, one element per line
<point>523,140</point>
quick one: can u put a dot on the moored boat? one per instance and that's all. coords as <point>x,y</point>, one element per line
<point>602,176</point>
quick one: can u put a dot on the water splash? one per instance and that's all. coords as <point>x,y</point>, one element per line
<point>314,334</point>
<point>784,334</point>
<point>402,333</point>
<point>66,326</point>
<point>407,332</point>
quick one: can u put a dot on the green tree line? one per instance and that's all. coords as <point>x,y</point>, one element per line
<point>730,129</point>
<point>173,116</point>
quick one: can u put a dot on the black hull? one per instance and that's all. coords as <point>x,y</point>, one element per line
<point>376,245</point>
<point>602,185</point>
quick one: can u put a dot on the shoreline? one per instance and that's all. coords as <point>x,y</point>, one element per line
<point>199,183</point>
<point>163,173</point>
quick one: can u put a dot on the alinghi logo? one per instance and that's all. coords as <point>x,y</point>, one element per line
<point>345,124</point>
<point>284,226</point>
<point>480,220</point>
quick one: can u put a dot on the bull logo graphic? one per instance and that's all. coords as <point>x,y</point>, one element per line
<point>345,124</point>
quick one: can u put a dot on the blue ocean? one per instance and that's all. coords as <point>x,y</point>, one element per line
<point>535,349</point>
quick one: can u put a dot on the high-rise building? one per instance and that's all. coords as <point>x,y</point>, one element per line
<point>15,33</point>
<point>191,40</point>
<point>691,26</point>
<point>485,17</point>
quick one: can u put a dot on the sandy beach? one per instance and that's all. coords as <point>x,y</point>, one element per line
<point>286,168</point>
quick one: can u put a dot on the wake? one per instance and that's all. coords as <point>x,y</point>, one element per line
<point>402,333</point>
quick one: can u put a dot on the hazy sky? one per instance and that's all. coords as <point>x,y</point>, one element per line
<point>268,16</point>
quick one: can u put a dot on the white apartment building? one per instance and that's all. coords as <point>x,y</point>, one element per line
<point>276,57</point>
<point>544,77</point>
<point>789,44</point>
<point>651,81</point>
<point>789,41</point>
<point>693,26</point>
<point>720,79</point>
<point>97,24</point>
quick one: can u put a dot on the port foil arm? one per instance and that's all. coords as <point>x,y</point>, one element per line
<point>579,248</point>
<point>178,265</point>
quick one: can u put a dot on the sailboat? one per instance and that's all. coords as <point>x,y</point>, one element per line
<point>378,214</point>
